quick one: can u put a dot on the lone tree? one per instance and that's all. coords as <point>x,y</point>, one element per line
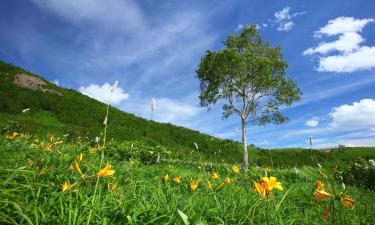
<point>248,77</point>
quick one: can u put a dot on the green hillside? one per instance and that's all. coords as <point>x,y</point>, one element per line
<point>73,113</point>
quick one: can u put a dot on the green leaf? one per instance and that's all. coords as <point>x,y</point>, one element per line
<point>184,217</point>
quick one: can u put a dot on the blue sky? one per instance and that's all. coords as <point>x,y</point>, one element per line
<point>154,47</point>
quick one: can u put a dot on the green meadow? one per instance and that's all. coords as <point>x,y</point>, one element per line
<point>33,173</point>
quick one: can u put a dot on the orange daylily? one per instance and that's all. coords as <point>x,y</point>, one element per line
<point>11,136</point>
<point>76,166</point>
<point>319,186</point>
<point>112,186</point>
<point>272,183</point>
<point>228,180</point>
<point>166,178</point>
<point>66,186</point>
<point>347,201</point>
<point>321,195</point>
<point>106,171</point>
<point>80,157</point>
<point>214,176</point>
<point>261,188</point>
<point>209,185</point>
<point>235,169</point>
<point>194,184</point>
<point>177,180</point>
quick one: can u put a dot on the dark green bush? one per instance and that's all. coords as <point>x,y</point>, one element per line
<point>358,173</point>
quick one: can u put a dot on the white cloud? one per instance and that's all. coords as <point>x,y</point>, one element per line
<point>174,111</point>
<point>348,54</point>
<point>342,25</point>
<point>283,19</point>
<point>346,43</point>
<point>125,14</point>
<point>313,122</point>
<point>55,81</point>
<point>103,93</point>
<point>361,59</point>
<point>359,115</point>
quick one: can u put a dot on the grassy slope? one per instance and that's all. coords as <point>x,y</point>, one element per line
<point>80,115</point>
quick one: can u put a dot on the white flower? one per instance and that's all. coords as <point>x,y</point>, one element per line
<point>153,104</point>
<point>25,110</point>
<point>97,139</point>
<point>105,121</point>
<point>196,146</point>
<point>115,85</point>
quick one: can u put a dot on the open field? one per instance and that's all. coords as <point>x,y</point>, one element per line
<point>32,174</point>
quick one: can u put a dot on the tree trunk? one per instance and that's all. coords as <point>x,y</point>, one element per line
<point>245,153</point>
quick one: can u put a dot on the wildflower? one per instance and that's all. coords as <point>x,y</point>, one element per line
<point>220,186</point>
<point>66,186</point>
<point>194,184</point>
<point>11,136</point>
<point>106,171</point>
<point>214,176</point>
<point>319,186</point>
<point>166,178</point>
<point>272,183</point>
<point>326,213</point>
<point>209,185</point>
<point>153,104</point>
<point>80,157</point>
<point>177,180</point>
<point>228,180</point>
<point>261,188</point>
<point>76,166</point>
<point>321,195</point>
<point>347,201</point>
<point>235,169</point>
<point>105,120</point>
<point>112,186</point>
<point>114,86</point>
<point>25,110</point>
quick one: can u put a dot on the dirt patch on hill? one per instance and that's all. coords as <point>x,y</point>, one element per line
<point>33,83</point>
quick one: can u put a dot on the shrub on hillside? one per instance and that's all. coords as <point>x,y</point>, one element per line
<point>358,173</point>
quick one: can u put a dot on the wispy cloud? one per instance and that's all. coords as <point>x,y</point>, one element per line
<point>284,19</point>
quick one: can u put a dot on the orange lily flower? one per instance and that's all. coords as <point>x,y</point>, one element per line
<point>194,184</point>
<point>321,195</point>
<point>272,183</point>
<point>166,178</point>
<point>261,188</point>
<point>66,186</point>
<point>347,201</point>
<point>177,180</point>
<point>106,171</point>
<point>235,169</point>
<point>76,166</point>
<point>228,180</point>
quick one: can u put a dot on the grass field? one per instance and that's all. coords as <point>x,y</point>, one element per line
<point>33,172</point>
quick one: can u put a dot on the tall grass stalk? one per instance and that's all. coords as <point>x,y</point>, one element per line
<point>102,151</point>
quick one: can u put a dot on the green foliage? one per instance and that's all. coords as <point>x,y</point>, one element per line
<point>80,116</point>
<point>249,75</point>
<point>358,173</point>
<point>30,191</point>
